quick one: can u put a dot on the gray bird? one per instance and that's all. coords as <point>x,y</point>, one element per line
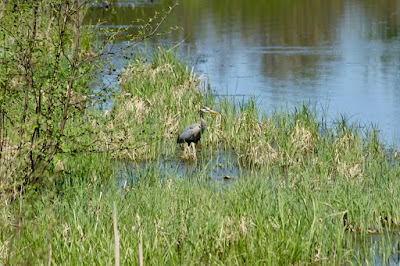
<point>193,132</point>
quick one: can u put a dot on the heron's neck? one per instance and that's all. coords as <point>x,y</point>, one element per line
<point>203,123</point>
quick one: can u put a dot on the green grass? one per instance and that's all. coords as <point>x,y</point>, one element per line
<point>307,193</point>
<point>259,218</point>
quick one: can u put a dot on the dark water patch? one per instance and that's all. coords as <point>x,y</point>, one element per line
<point>376,249</point>
<point>220,168</point>
<point>116,27</point>
<point>123,3</point>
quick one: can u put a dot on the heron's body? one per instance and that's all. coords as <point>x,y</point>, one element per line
<point>193,132</point>
<point>190,134</point>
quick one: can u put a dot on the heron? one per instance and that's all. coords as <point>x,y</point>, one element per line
<point>193,132</point>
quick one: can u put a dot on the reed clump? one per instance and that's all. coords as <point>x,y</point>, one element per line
<point>154,98</point>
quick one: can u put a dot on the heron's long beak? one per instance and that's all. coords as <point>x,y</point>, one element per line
<point>214,112</point>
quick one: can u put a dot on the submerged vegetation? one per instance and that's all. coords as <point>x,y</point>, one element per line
<point>306,191</point>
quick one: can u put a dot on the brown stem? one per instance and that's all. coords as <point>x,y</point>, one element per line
<point>70,86</point>
<point>56,67</point>
<point>74,67</point>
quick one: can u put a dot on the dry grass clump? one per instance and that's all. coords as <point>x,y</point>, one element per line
<point>134,108</point>
<point>298,146</point>
<point>11,158</point>
<point>233,229</point>
<point>302,139</point>
<point>295,146</point>
<point>215,132</point>
<point>253,140</point>
<point>265,143</point>
<point>171,126</point>
<point>350,170</point>
<point>9,152</point>
<point>14,162</point>
<point>348,158</point>
<point>259,153</point>
<point>341,156</point>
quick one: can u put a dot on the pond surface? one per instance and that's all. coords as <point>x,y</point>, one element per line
<point>343,56</point>
<point>219,169</point>
<point>376,249</point>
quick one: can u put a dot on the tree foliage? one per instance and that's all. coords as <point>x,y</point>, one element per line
<point>49,61</point>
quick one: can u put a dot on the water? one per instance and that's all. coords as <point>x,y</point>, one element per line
<point>376,249</point>
<point>342,55</point>
<point>218,168</point>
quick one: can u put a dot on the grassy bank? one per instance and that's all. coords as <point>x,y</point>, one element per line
<point>308,192</point>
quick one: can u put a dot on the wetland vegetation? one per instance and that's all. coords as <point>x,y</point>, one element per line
<point>308,190</point>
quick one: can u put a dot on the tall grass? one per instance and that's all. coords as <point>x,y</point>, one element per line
<point>260,218</point>
<point>306,193</point>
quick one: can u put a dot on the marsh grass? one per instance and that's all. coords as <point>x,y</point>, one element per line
<point>304,190</point>
<point>260,219</point>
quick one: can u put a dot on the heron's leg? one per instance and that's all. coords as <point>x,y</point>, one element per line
<point>193,146</point>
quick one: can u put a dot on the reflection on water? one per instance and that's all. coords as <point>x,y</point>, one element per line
<point>344,55</point>
<point>376,249</point>
<point>208,168</point>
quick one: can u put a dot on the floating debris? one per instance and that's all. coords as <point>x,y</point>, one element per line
<point>227,176</point>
